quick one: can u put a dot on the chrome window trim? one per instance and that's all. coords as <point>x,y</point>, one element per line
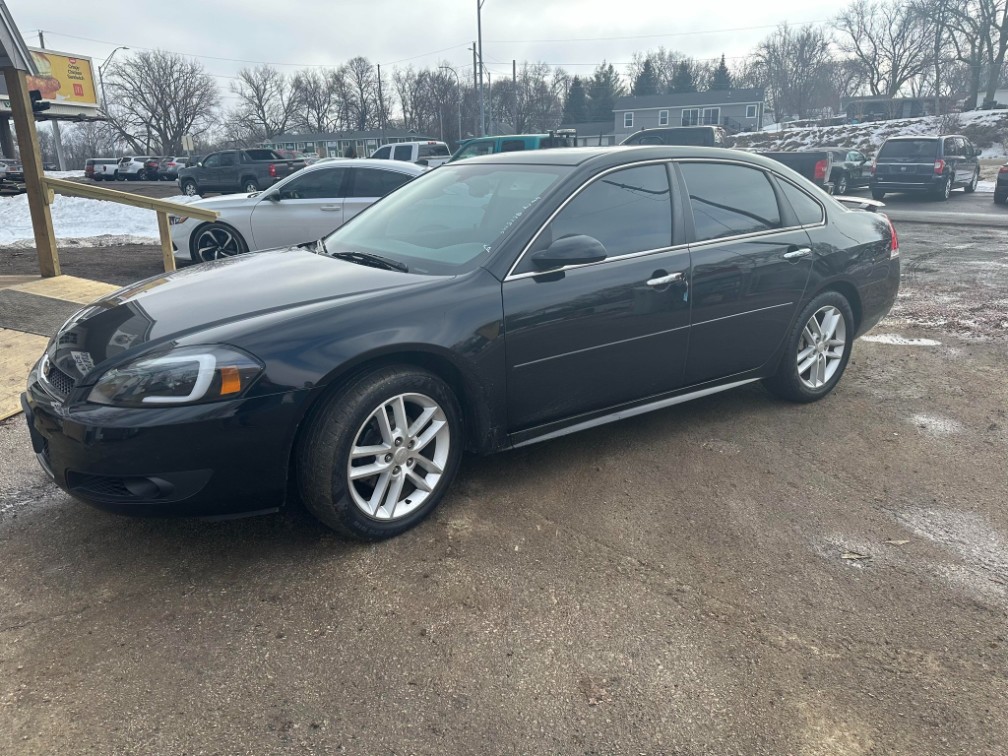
<point>512,276</point>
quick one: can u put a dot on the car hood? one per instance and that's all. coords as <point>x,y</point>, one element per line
<point>223,202</point>
<point>180,304</point>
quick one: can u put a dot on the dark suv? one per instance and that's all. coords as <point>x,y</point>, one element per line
<point>932,164</point>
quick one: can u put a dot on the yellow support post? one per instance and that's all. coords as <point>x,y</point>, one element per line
<point>166,250</point>
<point>31,159</point>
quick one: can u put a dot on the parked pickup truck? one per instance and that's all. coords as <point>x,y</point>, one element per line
<point>233,171</point>
<point>431,154</point>
<point>815,165</point>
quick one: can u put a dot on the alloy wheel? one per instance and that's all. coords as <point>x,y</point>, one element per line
<point>821,347</point>
<point>947,189</point>
<point>215,243</point>
<point>841,187</point>
<point>398,456</point>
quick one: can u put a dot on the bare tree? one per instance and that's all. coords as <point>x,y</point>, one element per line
<point>792,64</point>
<point>980,36</point>
<point>362,94</point>
<point>157,97</point>
<point>265,102</point>
<point>316,102</point>
<point>891,41</point>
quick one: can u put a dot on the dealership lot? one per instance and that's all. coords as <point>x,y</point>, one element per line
<point>735,575</point>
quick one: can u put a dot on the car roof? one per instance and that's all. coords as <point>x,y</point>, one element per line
<point>389,165</point>
<point>910,137</point>
<point>616,155</point>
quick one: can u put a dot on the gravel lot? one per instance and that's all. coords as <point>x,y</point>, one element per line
<point>731,576</point>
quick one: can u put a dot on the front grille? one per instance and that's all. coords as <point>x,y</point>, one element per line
<point>62,383</point>
<point>100,486</point>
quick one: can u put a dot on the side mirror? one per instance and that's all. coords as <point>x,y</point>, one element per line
<point>576,249</point>
<point>273,196</point>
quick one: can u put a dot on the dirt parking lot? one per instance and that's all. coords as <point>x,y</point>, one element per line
<point>732,576</point>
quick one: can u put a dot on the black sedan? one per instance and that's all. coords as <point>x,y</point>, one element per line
<point>1001,186</point>
<point>488,304</point>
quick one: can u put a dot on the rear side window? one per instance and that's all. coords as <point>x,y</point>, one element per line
<point>729,200</point>
<point>477,148</point>
<point>372,182</point>
<point>628,211</point>
<point>809,212</point>
<point>402,152</point>
<point>512,145</point>
<point>261,155</point>
<point>905,149</point>
<point>382,153</point>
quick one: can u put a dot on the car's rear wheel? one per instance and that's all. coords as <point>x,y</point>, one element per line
<point>380,455</point>
<point>817,350</point>
<point>840,185</point>
<point>877,195</point>
<point>972,185</point>
<point>945,189</point>
<point>215,242</point>
<point>119,176</point>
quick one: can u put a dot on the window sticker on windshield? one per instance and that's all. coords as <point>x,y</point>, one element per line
<point>83,361</point>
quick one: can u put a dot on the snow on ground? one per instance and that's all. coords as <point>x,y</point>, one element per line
<point>868,137</point>
<point>65,174</point>
<point>79,222</point>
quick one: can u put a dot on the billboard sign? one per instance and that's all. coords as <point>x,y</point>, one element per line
<point>65,80</point>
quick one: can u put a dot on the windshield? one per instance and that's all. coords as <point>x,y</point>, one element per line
<point>924,149</point>
<point>449,220</point>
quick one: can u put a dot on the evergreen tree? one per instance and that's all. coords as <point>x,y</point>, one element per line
<point>646,82</point>
<point>685,77</point>
<point>721,79</point>
<point>603,89</point>
<point>576,106</point>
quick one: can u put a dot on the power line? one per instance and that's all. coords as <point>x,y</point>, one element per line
<point>650,36</point>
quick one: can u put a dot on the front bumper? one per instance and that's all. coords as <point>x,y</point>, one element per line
<point>220,458</point>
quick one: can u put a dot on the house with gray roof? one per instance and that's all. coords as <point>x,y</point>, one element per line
<point>335,144</point>
<point>733,109</point>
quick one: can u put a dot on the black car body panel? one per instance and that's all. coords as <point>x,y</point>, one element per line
<point>1001,186</point>
<point>530,355</point>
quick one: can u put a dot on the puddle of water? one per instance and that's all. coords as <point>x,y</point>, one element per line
<point>936,425</point>
<point>897,340</point>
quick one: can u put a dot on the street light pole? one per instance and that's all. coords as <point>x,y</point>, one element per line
<point>101,78</point>
<point>458,84</point>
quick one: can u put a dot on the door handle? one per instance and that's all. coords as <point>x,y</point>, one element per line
<point>794,254</point>
<point>330,208</point>
<point>665,280</point>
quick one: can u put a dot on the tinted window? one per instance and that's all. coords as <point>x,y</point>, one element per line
<point>382,153</point>
<point>628,211</point>
<point>728,200</point>
<point>512,145</point>
<point>323,184</point>
<point>909,149</point>
<point>433,150</point>
<point>227,158</point>
<point>261,155</point>
<point>952,147</point>
<point>477,148</point>
<point>809,211</point>
<point>402,152</point>
<point>372,182</point>
<point>212,161</point>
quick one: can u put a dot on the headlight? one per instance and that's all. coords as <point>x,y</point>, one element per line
<point>187,375</point>
<point>174,220</point>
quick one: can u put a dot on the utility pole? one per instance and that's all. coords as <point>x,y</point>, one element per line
<point>476,73</point>
<point>479,37</point>
<point>57,137</point>
<point>514,89</point>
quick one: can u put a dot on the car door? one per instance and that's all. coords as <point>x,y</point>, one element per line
<point>750,266</point>
<point>207,175</point>
<point>365,186</point>
<point>303,208</point>
<point>591,337</point>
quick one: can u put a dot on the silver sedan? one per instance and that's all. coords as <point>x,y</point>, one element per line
<point>302,208</point>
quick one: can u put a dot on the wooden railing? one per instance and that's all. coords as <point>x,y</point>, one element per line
<point>163,208</point>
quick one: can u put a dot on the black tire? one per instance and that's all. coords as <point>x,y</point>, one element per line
<point>119,176</point>
<point>229,243</point>
<point>787,383</point>
<point>840,186</point>
<point>249,186</point>
<point>972,185</point>
<point>323,453</point>
<point>1001,199</point>
<point>877,195</point>
<point>189,188</point>
<point>943,191</point>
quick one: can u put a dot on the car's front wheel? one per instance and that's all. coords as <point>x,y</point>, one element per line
<point>215,242</point>
<point>972,185</point>
<point>817,350</point>
<point>380,454</point>
<point>250,186</point>
<point>189,188</point>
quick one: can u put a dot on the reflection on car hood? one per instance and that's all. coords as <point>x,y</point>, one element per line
<point>220,203</point>
<point>238,288</point>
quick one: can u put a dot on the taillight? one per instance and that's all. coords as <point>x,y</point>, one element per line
<point>272,170</point>
<point>820,170</point>
<point>874,166</point>
<point>1003,170</point>
<point>939,167</point>
<point>894,244</point>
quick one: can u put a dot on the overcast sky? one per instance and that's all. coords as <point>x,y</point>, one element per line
<point>576,34</point>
